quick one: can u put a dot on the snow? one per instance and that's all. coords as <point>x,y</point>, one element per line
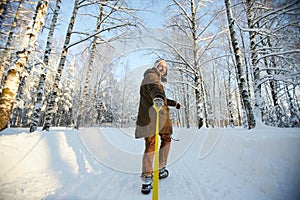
<point>104,163</point>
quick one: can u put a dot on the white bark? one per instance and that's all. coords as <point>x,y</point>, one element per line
<point>241,74</point>
<point>188,25</point>
<point>3,10</point>
<point>14,74</point>
<point>41,86</point>
<point>89,71</point>
<point>5,53</point>
<point>52,102</point>
<point>255,66</point>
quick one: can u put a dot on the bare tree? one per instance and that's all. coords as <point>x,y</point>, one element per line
<point>51,103</point>
<point>7,49</point>
<point>90,67</point>
<point>241,74</point>
<point>190,51</point>
<point>268,25</point>
<point>40,89</point>
<point>118,20</point>
<point>14,74</point>
<point>3,10</point>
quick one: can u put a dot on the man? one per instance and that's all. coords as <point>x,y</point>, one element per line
<point>152,91</point>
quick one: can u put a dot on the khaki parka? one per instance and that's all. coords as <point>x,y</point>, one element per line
<point>150,88</point>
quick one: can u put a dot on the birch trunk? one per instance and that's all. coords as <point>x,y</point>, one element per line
<point>90,68</point>
<point>241,74</point>
<point>200,100</point>
<point>9,41</point>
<point>255,66</point>
<point>14,74</point>
<point>229,97</point>
<point>184,89</point>
<point>294,112</point>
<point>51,103</point>
<point>40,89</point>
<point>187,105</point>
<point>3,10</point>
<point>273,84</point>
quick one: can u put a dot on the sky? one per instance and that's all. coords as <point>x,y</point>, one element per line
<point>135,54</point>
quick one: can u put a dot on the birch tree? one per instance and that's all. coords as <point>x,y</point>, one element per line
<point>90,66</point>
<point>241,74</point>
<point>118,20</point>
<point>41,86</point>
<point>3,10</point>
<point>7,49</point>
<point>261,17</point>
<point>14,74</point>
<point>186,19</point>
<point>55,90</point>
<point>254,61</point>
<point>271,47</point>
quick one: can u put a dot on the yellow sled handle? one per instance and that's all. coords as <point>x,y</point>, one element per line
<point>156,156</point>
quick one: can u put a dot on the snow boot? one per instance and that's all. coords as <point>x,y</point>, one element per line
<point>163,173</point>
<point>146,184</point>
<point>146,188</point>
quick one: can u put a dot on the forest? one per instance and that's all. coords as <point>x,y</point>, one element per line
<point>231,63</point>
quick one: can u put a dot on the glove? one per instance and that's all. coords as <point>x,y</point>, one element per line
<point>178,105</point>
<point>200,124</point>
<point>159,102</point>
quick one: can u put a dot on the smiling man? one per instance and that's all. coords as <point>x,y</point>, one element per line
<point>152,91</point>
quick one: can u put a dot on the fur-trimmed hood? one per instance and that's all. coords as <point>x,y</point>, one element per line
<point>154,70</point>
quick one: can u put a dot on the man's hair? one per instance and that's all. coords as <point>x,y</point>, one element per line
<point>156,63</point>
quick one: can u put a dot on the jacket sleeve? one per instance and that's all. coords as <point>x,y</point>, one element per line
<point>156,90</point>
<point>154,87</point>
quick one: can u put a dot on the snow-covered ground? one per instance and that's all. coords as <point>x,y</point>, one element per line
<point>104,163</point>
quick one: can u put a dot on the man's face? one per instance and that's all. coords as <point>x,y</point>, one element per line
<point>162,68</point>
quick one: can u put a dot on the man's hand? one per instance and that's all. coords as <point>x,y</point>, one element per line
<point>159,102</point>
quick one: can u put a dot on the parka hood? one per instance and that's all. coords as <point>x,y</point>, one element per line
<point>155,70</point>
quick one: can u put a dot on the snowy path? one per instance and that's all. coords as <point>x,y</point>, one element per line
<point>104,164</point>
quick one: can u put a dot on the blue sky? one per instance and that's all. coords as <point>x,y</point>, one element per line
<point>135,54</point>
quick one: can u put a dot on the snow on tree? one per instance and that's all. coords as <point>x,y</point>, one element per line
<point>90,68</point>
<point>204,74</point>
<point>123,99</point>
<point>15,73</point>
<point>52,99</point>
<point>3,11</point>
<point>265,30</point>
<point>118,20</point>
<point>41,85</point>
<point>186,21</point>
<point>6,52</point>
<point>241,73</point>
<point>274,46</point>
